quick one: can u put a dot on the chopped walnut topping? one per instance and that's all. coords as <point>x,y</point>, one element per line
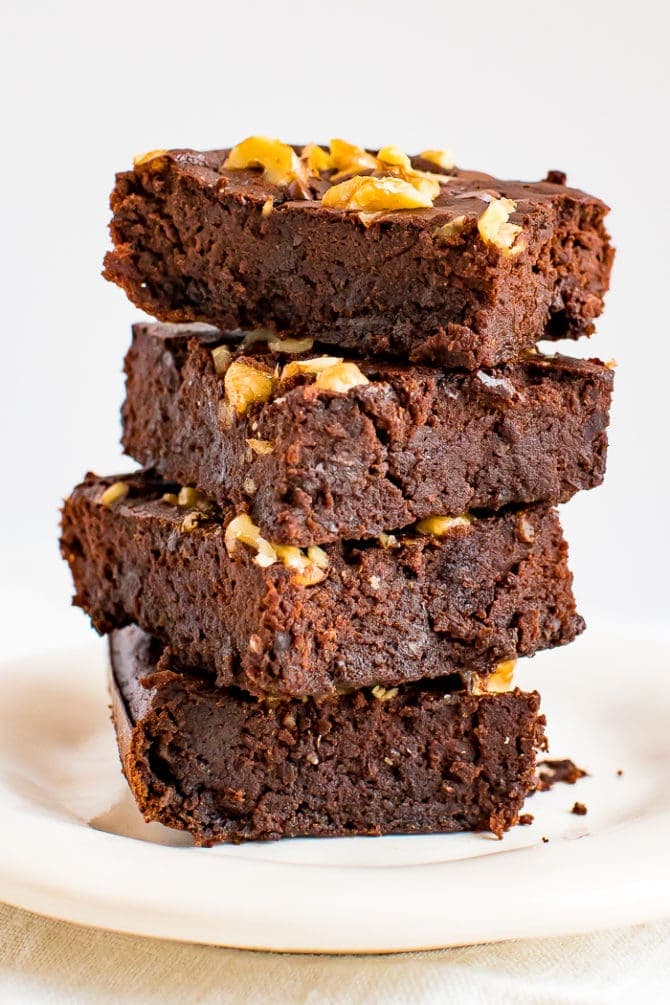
<point>141,160</point>
<point>312,759</point>
<point>246,385</point>
<point>442,158</point>
<point>249,486</point>
<point>316,159</point>
<point>384,693</point>
<point>241,528</point>
<point>114,494</point>
<point>260,446</point>
<point>221,357</point>
<point>375,582</point>
<point>395,158</point>
<point>451,229</point>
<point>341,377</point>
<point>439,526</point>
<point>388,540</point>
<point>290,345</point>
<point>347,159</point>
<point>381,194</point>
<point>494,228</point>
<point>278,160</point>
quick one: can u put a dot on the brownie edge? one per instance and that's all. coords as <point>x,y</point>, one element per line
<point>225,767</point>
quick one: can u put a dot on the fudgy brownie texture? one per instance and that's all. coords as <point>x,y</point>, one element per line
<point>226,767</point>
<point>412,442</point>
<point>419,607</point>
<point>193,241</point>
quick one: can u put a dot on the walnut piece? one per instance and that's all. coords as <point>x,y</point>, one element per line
<point>308,569</point>
<point>221,357</point>
<point>316,159</point>
<point>193,499</point>
<point>290,345</point>
<point>242,528</point>
<point>246,385</point>
<point>114,494</point>
<point>141,160</point>
<point>347,158</point>
<point>309,366</point>
<point>441,158</point>
<point>373,195</point>
<point>440,526</point>
<point>384,693</point>
<point>341,377</point>
<point>451,229</point>
<point>525,530</point>
<point>494,228</point>
<point>257,335</point>
<point>280,163</point>
<point>394,157</point>
<point>191,521</point>
<point>331,372</point>
<point>498,682</point>
<point>260,446</point>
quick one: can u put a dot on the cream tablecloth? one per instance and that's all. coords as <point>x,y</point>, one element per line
<point>49,961</point>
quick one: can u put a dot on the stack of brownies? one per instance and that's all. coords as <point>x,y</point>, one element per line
<point>343,535</point>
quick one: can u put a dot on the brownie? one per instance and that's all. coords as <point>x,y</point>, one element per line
<point>226,767</point>
<point>314,464</point>
<point>196,241</point>
<point>288,622</point>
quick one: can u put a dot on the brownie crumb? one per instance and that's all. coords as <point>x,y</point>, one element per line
<point>579,809</point>
<point>619,772</point>
<point>545,840</point>
<point>551,771</point>
<point>525,819</point>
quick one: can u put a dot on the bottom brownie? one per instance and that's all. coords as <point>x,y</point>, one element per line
<point>421,758</point>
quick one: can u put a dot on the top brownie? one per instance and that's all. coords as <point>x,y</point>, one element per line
<point>372,252</point>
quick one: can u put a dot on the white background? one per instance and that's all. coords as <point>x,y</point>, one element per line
<point>516,88</point>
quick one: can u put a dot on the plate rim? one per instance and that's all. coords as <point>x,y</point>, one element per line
<point>477,892</point>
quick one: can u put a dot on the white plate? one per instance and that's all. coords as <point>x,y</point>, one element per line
<point>73,846</point>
